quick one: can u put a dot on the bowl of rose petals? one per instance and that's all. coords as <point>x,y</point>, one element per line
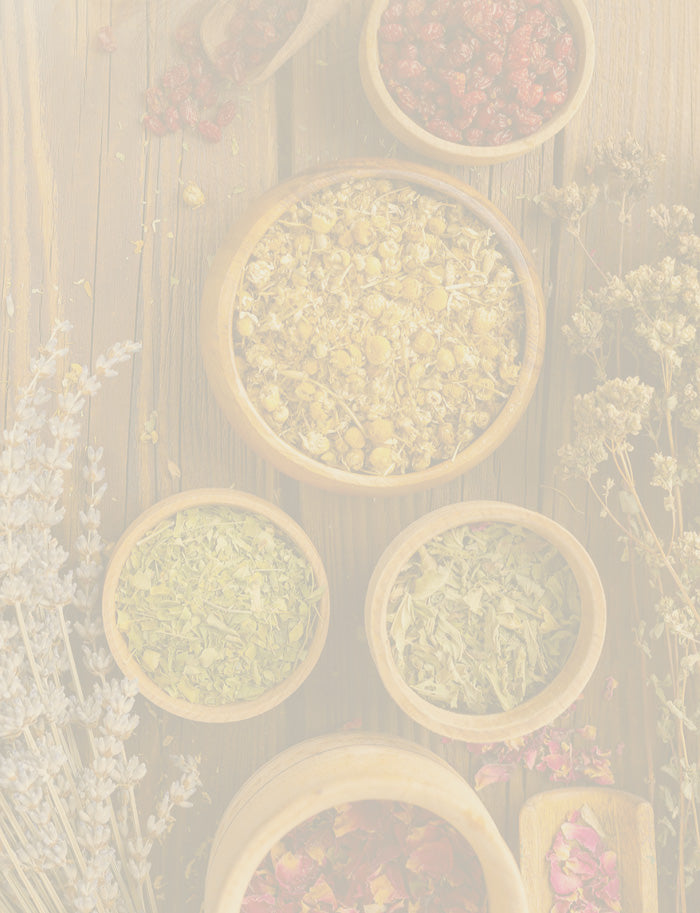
<point>485,620</point>
<point>358,821</point>
<point>476,81</point>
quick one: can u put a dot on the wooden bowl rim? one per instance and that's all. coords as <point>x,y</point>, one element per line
<point>555,697</point>
<point>356,768</point>
<point>161,510</point>
<point>220,306</point>
<point>410,132</point>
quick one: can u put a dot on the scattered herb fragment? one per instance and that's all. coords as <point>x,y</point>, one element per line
<point>379,328</point>
<point>375,855</point>
<point>563,751</point>
<point>480,72</point>
<point>582,872</point>
<point>188,94</point>
<point>193,195</point>
<point>483,617</point>
<point>256,31</point>
<point>217,605</point>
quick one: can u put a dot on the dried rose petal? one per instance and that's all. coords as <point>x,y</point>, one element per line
<point>582,834</point>
<point>583,874</point>
<point>370,867</point>
<point>293,871</point>
<point>564,885</point>
<point>432,858</point>
<point>492,773</point>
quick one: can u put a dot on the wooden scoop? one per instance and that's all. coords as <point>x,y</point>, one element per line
<point>215,25</point>
<point>627,824</point>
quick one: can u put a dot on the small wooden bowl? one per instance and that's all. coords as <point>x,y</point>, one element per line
<point>223,713</point>
<point>421,140</point>
<point>628,822</point>
<point>555,697</point>
<point>349,767</point>
<point>219,308</point>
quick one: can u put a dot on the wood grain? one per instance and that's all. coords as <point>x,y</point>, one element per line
<point>93,226</point>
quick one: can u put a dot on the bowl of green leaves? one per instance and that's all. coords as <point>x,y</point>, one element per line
<point>217,603</point>
<point>485,620</point>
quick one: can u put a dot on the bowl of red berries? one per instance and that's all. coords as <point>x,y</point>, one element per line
<point>476,81</point>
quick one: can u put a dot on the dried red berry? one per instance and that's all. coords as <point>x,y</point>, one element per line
<point>171,118</point>
<point>474,136</point>
<point>527,120</point>
<point>392,32</point>
<point>456,82</point>
<point>501,137</point>
<point>444,130</point>
<point>179,93</point>
<point>226,113</point>
<point>493,63</point>
<point>461,51</point>
<point>175,76</point>
<point>414,8</point>
<point>556,98</point>
<point>155,101</point>
<point>189,112</point>
<point>409,69</point>
<point>393,12</point>
<point>209,131</point>
<point>530,94</point>
<point>565,51</point>
<point>432,31</point>
<point>154,124</point>
<point>406,99</point>
<point>261,34</point>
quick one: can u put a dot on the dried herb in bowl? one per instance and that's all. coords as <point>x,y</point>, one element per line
<point>217,605</point>
<point>478,72</point>
<point>378,327</point>
<point>373,855</point>
<point>482,617</point>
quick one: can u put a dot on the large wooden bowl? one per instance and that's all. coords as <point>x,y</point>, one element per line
<point>628,823</point>
<point>416,137</point>
<point>331,770</point>
<point>219,308</point>
<point>555,697</point>
<point>223,713</point>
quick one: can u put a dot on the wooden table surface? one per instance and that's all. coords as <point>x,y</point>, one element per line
<point>94,229</point>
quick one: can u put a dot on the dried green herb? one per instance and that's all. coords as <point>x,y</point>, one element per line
<point>378,328</point>
<point>217,605</point>
<point>483,616</point>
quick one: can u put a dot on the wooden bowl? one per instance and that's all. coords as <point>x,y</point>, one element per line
<point>223,713</point>
<point>330,770</point>
<point>628,823</point>
<point>219,308</point>
<point>421,140</point>
<point>555,697</point>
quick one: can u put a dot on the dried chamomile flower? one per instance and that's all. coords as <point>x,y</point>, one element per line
<point>379,329</point>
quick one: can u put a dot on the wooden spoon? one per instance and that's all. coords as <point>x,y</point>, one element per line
<point>627,822</point>
<point>215,25</point>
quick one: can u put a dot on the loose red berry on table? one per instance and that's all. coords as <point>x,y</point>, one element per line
<point>209,131</point>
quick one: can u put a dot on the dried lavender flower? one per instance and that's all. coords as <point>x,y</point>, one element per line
<point>61,848</point>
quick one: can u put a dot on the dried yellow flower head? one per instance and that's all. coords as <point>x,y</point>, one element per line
<point>193,195</point>
<point>379,327</point>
